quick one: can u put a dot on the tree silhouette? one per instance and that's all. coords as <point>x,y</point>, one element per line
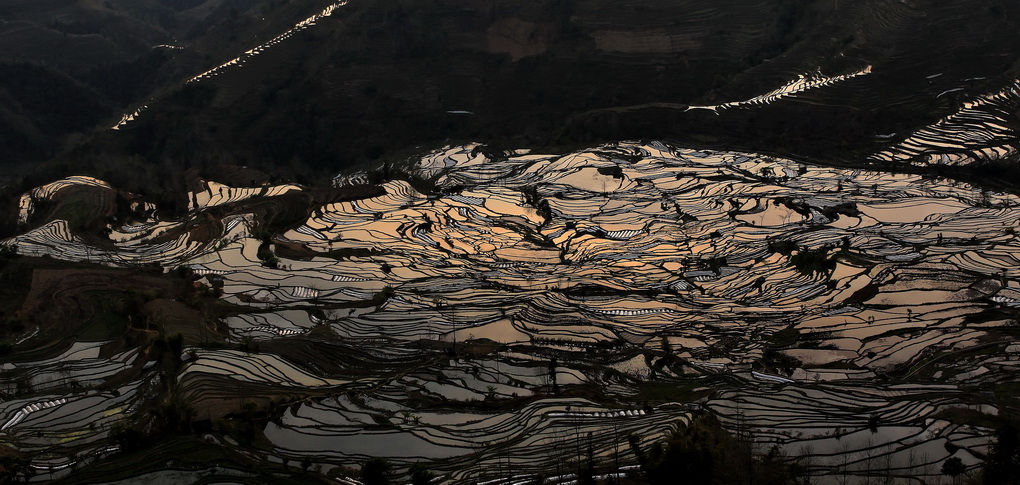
<point>375,471</point>
<point>1003,463</point>
<point>953,467</point>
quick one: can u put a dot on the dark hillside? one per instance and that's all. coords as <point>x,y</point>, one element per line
<point>380,80</point>
<point>87,61</point>
<point>378,77</point>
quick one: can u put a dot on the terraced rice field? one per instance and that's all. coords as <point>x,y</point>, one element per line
<point>239,61</point>
<point>802,83</point>
<point>978,131</point>
<point>844,315</point>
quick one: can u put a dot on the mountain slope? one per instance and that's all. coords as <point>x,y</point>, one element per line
<point>378,76</point>
<point>375,82</point>
<point>68,65</point>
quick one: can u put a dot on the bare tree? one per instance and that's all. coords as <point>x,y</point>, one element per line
<point>841,463</point>
<point>805,458</point>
